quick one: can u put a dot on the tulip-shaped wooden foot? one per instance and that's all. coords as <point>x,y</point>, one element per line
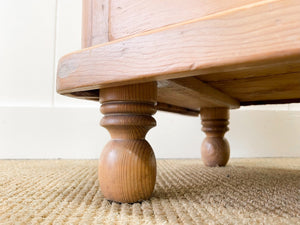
<point>215,149</point>
<point>127,166</point>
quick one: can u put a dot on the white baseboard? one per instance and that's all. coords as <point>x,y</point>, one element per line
<point>42,133</point>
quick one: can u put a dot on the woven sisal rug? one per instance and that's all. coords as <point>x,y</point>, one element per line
<point>247,191</point>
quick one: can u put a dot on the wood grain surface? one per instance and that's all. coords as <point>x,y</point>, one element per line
<point>192,93</point>
<point>263,88</point>
<point>128,17</point>
<point>257,69</point>
<point>215,150</point>
<point>205,93</point>
<point>248,53</point>
<point>127,166</point>
<point>94,22</point>
<point>221,43</point>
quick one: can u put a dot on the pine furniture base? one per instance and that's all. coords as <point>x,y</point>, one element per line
<point>192,57</point>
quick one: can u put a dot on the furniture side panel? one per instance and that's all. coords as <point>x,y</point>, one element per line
<point>94,22</point>
<point>128,17</point>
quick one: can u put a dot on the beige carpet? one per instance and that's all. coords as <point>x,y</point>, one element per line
<point>255,191</point>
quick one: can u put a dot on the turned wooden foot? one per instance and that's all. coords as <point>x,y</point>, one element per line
<point>127,166</point>
<point>215,149</point>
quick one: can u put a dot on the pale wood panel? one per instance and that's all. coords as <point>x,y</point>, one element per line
<point>193,94</point>
<point>170,93</point>
<point>217,44</point>
<point>279,87</point>
<point>260,69</point>
<point>129,17</point>
<point>94,22</point>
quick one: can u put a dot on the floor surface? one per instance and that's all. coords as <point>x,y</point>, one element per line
<point>247,191</point>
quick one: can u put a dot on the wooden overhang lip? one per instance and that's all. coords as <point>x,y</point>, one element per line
<point>63,86</point>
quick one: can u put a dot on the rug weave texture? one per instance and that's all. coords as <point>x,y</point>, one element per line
<point>247,191</point>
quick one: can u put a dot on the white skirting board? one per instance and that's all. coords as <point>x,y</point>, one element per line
<point>74,133</point>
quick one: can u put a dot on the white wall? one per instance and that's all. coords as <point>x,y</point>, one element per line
<point>35,122</point>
